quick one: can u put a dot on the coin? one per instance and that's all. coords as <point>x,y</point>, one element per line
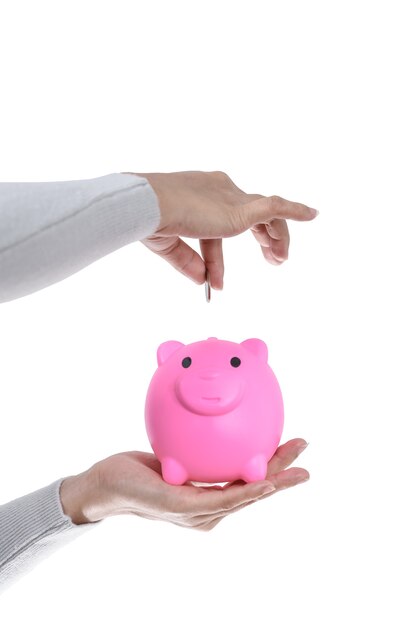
<point>207,287</point>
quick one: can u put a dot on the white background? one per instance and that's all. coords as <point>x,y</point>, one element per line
<point>313,101</point>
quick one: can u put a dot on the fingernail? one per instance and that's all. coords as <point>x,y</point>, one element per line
<point>268,489</point>
<point>314,212</point>
<point>303,446</point>
<point>303,479</point>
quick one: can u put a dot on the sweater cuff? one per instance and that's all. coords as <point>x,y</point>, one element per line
<point>130,207</point>
<point>32,527</point>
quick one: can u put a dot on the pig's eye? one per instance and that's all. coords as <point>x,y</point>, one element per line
<point>186,362</point>
<point>235,361</point>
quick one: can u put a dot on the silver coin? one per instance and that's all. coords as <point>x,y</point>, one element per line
<point>207,287</point>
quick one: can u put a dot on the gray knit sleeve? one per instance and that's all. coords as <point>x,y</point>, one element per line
<point>51,230</point>
<point>31,528</point>
<point>47,232</point>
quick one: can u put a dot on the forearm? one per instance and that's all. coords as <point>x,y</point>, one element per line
<point>31,528</point>
<point>51,230</point>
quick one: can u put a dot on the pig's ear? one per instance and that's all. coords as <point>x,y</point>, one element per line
<point>257,347</point>
<point>166,349</point>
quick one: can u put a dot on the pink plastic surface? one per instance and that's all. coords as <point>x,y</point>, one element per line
<point>210,419</point>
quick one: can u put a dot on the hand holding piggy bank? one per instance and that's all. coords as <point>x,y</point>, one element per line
<point>214,411</point>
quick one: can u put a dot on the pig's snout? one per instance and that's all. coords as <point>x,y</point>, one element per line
<point>209,374</point>
<point>209,391</point>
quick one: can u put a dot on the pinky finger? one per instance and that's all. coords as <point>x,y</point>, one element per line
<point>268,255</point>
<point>262,236</point>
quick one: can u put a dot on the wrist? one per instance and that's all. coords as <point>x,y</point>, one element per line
<point>167,190</point>
<point>77,498</point>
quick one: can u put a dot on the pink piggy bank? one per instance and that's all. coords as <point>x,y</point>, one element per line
<point>214,411</point>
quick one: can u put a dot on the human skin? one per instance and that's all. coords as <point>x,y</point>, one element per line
<point>131,483</point>
<point>207,206</point>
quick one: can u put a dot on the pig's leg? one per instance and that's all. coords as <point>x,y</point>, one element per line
<point>255,469</point>
<point>173,472</point>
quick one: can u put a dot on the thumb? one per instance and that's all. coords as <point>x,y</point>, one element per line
<point>265,210</point>
<point>179,255</point>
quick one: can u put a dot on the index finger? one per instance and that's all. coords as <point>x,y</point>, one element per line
<point>264,210</point>
<point>212,255</point>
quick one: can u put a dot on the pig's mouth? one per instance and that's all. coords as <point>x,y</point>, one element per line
<point>211,399</point>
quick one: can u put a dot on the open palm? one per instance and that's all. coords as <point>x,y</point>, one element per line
<point>131,482</point>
